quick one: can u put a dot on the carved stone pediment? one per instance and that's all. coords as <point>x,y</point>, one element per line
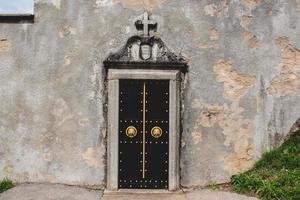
<point>145,50</point>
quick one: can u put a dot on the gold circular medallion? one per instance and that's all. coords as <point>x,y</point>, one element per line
<point>131,131</point>
<point>156,132</point>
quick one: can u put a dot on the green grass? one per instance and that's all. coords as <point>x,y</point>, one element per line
<point>276,176</point>
<point>6,184</point>
<point>215,187</point>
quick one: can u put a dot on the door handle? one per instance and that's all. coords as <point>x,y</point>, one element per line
<point>131,131</point>
<point>156,132</point>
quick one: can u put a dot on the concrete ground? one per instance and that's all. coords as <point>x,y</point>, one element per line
<point>49,192</point>
<point>62,192</point>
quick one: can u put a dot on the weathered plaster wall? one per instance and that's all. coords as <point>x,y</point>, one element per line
<point>242,93</point>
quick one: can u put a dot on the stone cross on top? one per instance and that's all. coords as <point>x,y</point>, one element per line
<point>146,24</point>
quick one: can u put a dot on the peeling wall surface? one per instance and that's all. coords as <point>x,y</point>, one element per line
<point>241,94</point>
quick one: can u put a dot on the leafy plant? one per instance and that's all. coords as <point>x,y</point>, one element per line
<point>6,184</point>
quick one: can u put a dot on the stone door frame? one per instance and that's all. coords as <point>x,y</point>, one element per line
<point>113,121</point>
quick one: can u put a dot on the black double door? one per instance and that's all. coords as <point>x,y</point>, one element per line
<point>143,134</point>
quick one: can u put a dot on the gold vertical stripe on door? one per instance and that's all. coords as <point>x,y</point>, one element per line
<point>144,127</point>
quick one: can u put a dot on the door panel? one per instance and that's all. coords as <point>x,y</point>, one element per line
<point>143,134</point>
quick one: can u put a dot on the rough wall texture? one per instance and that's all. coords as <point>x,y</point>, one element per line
<point>242,93</point>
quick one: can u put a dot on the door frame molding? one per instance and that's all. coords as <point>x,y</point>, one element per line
<point>113,121</point>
